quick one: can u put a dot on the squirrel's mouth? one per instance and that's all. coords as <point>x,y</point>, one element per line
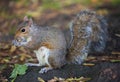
<point>16,43</point>
<point>21,41</point>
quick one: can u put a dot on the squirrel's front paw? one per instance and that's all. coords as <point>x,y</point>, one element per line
<point>28,64</point>
<point>31,64</point>
<point>45,69</point>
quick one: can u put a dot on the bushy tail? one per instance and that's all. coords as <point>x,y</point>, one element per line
<point>88,34</point>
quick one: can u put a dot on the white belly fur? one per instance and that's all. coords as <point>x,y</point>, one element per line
<point>42,55</point>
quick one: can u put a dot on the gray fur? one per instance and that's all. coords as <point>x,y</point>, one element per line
<point>89,34</point>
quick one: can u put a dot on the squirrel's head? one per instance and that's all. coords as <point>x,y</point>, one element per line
<point>22,36</point>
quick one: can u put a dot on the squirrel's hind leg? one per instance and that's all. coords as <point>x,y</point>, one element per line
<point>55,60</point>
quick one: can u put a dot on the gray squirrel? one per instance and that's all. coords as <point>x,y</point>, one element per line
<point>87,32</point>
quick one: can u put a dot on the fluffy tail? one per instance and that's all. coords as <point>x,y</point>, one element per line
<point>88,34</point>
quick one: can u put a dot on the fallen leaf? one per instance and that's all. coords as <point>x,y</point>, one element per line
<point>40,79</point>
<point>81,79</point>
<point>23,56</point>
<point>12,49</point>
<point>90,58</point>
<point>18,70</point>
<point>114,53</point>
<point>115,61</point>
<point>4,46</point>
<point>88,64</point>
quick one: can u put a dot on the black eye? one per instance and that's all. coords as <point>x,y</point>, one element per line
<point>23,30</point>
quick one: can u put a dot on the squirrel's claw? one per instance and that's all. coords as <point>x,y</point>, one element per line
<point>45,69</point>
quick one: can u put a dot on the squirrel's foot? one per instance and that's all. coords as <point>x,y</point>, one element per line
<point>45,69</point>
<point>32,64</point>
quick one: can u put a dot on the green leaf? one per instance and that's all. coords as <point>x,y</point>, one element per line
<point>22,69</point>
<point>14,73</point>
<point>18,70</point>
<point>115,60</point>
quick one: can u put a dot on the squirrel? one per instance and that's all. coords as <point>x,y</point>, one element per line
<point>87,32</point>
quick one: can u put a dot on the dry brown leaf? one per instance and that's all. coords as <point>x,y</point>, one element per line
<point>23,49</point>
<point>5,60</point>
<point>88,64</point>
<point>40,79</point>
<point>55,79</point>
<point>114,53</point>
<point>90,58</point>
<point>12,49</point>
<point>4,46</point>
<point>23,56</point>
<point>81,79</point>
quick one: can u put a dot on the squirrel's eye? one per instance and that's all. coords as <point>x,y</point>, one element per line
<point>23,30</point>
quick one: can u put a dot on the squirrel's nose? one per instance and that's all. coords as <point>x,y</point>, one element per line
<point>16,41</point>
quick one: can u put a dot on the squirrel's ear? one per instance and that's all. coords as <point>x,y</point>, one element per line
<point>26,18</point>
<point>30,22</point>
